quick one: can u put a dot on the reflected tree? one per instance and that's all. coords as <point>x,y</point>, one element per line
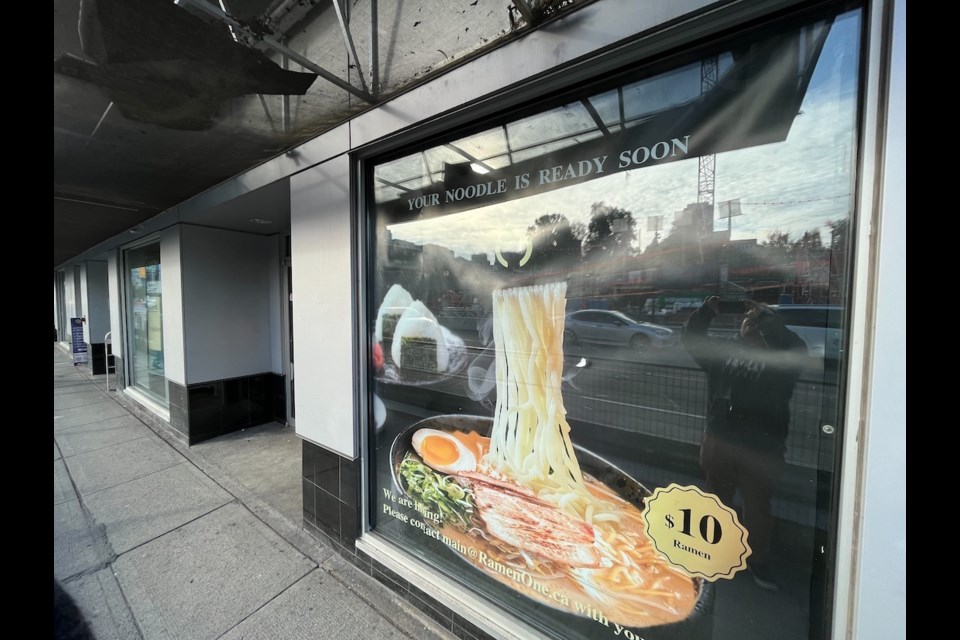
<point>777,240</point>
<point>556,242</point>
<point>839,245</point>
<point>610,234</point>
<point>839,232</point>
<point>809,241</point>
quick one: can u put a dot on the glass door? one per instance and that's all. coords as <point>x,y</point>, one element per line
<point>145,321</point>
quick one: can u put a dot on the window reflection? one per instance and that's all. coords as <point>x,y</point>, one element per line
<point>145,321</point>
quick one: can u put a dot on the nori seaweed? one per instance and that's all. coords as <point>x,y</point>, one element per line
<point>389,327</point>
<point>419,354</point>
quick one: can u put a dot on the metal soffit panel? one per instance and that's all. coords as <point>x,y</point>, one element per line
<point>156,101</point>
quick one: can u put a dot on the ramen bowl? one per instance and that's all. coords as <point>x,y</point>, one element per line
<point>697,624</point>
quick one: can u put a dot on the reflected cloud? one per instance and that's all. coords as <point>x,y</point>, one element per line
<point>792,186</point>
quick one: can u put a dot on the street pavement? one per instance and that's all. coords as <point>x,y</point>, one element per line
<point>153,539</point>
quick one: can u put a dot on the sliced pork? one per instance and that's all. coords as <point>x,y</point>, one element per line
<point>516,516</point>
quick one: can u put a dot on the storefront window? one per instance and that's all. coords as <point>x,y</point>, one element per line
<point>145,321</point>
<point>607,345</point>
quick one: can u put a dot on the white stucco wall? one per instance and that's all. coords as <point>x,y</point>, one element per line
<point>172,290</point>
<point>82,308</point>
<point>227,305</point>
<point>881,610</point>
<point>323,306</point>
<point>116,301</point>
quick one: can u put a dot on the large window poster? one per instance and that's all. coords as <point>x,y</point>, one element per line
<point>606,345</point>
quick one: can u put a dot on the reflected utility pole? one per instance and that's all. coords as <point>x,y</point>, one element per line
<point>655,224</point>
<point>707,165</point>
<point>727,209</point>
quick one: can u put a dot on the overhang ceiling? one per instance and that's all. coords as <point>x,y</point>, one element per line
<point>156,101</point>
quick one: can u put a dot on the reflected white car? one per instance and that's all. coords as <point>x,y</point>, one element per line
<point>596,326</point>
<point>820,326</point>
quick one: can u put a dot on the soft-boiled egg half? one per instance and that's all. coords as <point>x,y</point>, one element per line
<point>443,452</point>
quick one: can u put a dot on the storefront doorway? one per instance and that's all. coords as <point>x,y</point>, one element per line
<point>145,321</point>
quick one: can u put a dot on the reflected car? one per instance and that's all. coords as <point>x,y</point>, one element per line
<point>595,326</point>
<point>820,326</point>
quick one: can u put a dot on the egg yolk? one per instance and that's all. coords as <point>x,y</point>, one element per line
<point>438,450</point>
<point>476,443</point>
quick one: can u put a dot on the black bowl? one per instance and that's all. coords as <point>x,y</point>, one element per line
<point>697,625</point>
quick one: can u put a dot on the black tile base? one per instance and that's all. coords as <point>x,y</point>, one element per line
<point>333,482</point>
<point>223,406</point>
<point>177,405</point>
<point>118,372</point>
<point>330,499</point>
<point>327,512</point>
<point>98,361</point>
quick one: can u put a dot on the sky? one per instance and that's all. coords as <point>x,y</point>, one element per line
<point>794,186</point>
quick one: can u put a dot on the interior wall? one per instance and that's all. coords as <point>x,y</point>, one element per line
<point>275,248</point>
<point>227,303</point>
<point>96,301</point>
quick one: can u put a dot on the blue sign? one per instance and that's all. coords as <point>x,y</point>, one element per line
<point>79,347</point>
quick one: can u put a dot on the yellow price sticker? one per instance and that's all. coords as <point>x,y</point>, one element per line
<point>693,530</point>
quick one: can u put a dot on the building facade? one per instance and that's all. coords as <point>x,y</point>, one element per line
<point>501,310</point>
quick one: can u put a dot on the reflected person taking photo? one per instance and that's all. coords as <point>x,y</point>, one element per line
<point>750,380</point>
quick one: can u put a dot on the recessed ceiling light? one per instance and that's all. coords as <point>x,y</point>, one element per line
<point>261,221</point>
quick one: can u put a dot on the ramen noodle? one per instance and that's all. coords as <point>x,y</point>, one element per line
<point>530,442</point>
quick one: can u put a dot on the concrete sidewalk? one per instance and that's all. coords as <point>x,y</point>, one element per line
<point>153,539</point>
